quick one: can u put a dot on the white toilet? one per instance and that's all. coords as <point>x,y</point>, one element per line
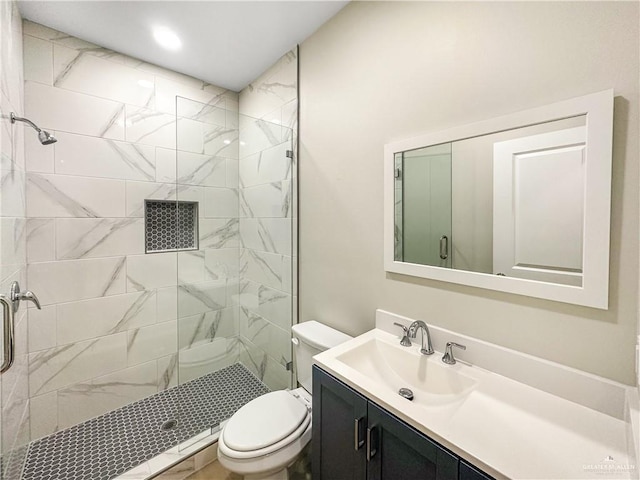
<point>266,435</point>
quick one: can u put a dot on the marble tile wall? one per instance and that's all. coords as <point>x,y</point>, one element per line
<point>14,386</point>
<point>118,325</point>
<point>268,221</point>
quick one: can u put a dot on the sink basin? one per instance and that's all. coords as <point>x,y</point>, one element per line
<point>432,382</point>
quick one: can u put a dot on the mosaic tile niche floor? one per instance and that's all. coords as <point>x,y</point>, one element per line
<point>110,445</point>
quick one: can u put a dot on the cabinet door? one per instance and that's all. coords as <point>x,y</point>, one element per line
<point>469,472</point>
<point>398,451</point>
<point>338,435</point>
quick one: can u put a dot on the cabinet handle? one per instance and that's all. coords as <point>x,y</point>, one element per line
<point>371,443</point>
<point>357,442</point>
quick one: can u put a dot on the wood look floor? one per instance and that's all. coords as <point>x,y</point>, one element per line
<point>214,471</point>
<point>300,470</point>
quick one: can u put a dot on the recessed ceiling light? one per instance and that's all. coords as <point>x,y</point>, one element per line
<point>166,38</point>
<point>227,142</point>
<point>145,83</point>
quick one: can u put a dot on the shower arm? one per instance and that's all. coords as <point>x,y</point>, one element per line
<point>15,119</point>
<point>45,137</point>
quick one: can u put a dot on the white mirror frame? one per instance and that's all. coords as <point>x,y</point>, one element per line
<point>594,292</point>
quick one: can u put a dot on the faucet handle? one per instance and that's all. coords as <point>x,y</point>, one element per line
<point>448,353</point>
<point>17,296</point>
<point>405,342</point>
<point>31,297</point>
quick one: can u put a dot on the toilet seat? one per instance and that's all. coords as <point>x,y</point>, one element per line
<point>265,425</point>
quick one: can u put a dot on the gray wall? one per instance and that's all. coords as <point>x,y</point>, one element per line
<point>383,71</point>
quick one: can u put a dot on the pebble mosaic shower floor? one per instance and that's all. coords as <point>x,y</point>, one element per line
<point>110,445</point>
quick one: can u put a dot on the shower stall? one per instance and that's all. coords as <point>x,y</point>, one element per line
<point>157,229</point>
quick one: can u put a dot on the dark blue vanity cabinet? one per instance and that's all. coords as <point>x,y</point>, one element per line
<point>469,472</point>
<point>400,451</point>
<point>339,428</point>
<point>355,439</point>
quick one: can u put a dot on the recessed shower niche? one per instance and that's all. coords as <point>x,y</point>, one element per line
<point>170,226</point>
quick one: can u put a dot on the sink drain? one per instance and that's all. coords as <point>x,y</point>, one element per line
<point>406,393</point>
<point>169,425</point>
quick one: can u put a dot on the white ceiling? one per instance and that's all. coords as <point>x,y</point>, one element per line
<point>226,43</point>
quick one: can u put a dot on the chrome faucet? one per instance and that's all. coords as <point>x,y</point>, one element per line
<point>412,332</point>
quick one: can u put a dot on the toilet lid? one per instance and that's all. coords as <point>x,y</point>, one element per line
<point>264,421</point>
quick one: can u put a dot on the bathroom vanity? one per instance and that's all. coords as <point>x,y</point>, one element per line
<point>353,438</point>
<point>496,413</point>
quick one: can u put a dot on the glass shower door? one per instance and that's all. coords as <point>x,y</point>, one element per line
<point>14,382</point>
<point>425,177</point>
<point>232,178</point>
<point>267,249</point>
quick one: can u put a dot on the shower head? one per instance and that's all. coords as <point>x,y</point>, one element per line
<point>45,137</point>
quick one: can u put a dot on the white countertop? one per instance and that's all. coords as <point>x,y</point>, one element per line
<point>505,427</point>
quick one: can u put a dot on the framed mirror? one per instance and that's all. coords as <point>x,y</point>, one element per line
<point>519,203</point>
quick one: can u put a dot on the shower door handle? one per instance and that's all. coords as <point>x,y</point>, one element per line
<point>444,247</point>
<point>8,333</point>
<point>10,306</point>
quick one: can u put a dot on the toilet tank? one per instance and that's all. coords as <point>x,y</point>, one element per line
<point>309,339</point>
